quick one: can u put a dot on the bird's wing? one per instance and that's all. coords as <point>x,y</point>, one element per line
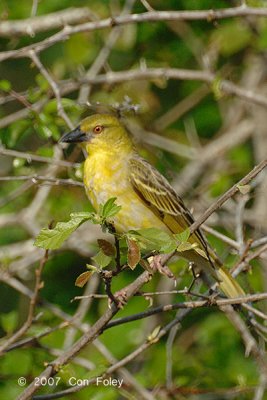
<point>161,198</point>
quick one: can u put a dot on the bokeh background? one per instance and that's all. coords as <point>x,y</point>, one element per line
<point>202,136</point>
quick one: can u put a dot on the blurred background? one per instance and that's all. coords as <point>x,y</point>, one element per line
<point>171,80</point>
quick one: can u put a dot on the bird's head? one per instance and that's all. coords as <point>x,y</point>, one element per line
<point>102,131</point>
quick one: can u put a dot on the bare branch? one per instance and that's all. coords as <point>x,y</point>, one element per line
<point>42,23</point>
<point>227,195</point>
<point>152,16</point>
<point>33,157</point>
<point>33,303</point>
<point>54,86</point>
<point>38,178</point>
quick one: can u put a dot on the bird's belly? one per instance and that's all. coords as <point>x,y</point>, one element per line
<point>134,213</point>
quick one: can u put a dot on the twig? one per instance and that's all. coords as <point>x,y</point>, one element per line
<point>239,221</point>
<point>84,327</point>
<point>255,311</point>
<point>220,236</point>
<point>236,270</point>
<point>38,178</point>
<point>181,74</point>
<point>152,16</point>
<point>88,337</point>
<point>42,23</point>
<point>54,86</point>
<point>227,195</point>
<point>33,157</point>
<point>8,342</point>
<point>103,55</point>
<point>187,305</point>
<point>35,339</point>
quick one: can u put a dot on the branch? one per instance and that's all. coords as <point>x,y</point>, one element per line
<point>36,178</point>
<point>188,305</point>
<point>223,85</point>
<point>33,157</point>
<point>54,86</point>
<point>87,338</point>
<point>152,16</point>
<point>33,302</point>
<point>42,23</point>
<point>227,195</point>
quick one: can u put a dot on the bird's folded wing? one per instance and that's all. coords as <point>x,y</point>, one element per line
<point>161,198</point>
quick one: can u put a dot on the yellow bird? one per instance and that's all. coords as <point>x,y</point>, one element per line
<point>113,168</point>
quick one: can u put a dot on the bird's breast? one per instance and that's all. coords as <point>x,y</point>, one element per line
<point>104,180</point>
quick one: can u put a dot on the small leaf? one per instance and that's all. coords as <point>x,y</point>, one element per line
<point>5,85</point>
<point>133,254</point>
<point>244,189</point>
<point>185,246</point>
<point>53,238</point>
<point>83,278</point>
<point>183,236</point>
<point>101,259</point>
<point>201,252</point>
<point>110,208</point>
<point>107,248</point>
<point>169,247</point>
<point>153,337</point>
<point>154,239</point>
<point>9,321</point>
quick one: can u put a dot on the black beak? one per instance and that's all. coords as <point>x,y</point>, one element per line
<point>75,136</point>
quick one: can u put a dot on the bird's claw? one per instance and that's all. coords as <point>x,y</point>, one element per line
<point>119,298</point>
<point>156,265</point>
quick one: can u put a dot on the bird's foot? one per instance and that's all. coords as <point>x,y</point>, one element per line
<point>119,298</point>
<point>156,265</point>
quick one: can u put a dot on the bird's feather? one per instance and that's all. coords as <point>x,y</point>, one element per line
<point>156,191</point>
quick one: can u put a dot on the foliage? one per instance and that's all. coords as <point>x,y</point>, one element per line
<point>204,135</point>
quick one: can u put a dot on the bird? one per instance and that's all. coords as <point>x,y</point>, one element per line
<point>114,168</point>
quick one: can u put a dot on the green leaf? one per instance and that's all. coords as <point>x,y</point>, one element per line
<point>154,239</point>
<point>53,238</point>
<point>101,259</point>
<point>9,321</point>
<point>185,246</point>
<point>183,236</point>
<point>230,37</point>
<point>109,209</point>
<point>133,254</point>
<point>51,106</point>
<point>5,85</point>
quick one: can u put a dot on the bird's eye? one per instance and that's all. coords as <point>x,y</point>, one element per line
<point>98,129</point>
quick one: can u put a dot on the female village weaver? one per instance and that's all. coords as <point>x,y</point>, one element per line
<point>113,168</point>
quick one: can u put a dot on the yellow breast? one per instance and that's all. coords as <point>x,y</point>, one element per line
<point>105,178</point>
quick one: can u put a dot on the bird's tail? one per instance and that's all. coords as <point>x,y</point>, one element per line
<point>213,268</point>
<point>229,286</point>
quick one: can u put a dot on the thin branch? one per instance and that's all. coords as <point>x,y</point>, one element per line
<point>84,327</point>
<point>223,85</point>
<point>42,23</point>
<point>103,55</point>
<point>33,157</point>
<point>33,303</point>
<point>187,305</point>
<point>153,16</point>
<point>38,178</point>
<point>54,86</point>
<point>220,236</point>
<point>227,195</point>
<point>88,337</point>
